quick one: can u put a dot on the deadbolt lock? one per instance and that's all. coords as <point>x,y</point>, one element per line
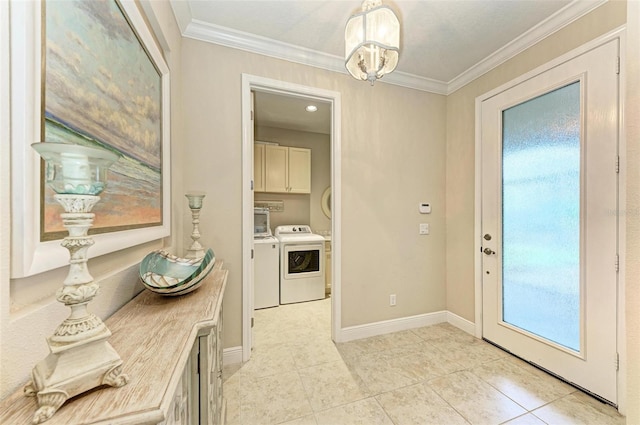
<point>488,251</point>
<point>487,237</point>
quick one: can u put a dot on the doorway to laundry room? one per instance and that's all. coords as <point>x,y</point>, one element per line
<point>290,200</point>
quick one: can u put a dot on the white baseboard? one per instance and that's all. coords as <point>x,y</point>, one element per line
<point>461,323</point>
<point>387,326</point>
<point>232,355</point>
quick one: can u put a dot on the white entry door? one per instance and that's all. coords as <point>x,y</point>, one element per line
<point>549,222</point>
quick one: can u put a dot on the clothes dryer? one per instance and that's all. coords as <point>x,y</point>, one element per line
<point>302,265</point>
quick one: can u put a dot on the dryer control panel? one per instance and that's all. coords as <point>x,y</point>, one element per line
<point>293,229</point>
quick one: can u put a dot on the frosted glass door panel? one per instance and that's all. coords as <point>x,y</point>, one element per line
<point>548,238</point>
<point>541,216</point>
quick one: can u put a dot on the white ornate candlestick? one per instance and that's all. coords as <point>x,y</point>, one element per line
<point>195,204</point>
<point>80,358</point>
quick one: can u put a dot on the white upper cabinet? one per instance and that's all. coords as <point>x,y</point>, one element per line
<point>276,168</point>
<point>258,168</point>
<point>299,170</point>
<point>284,169</point>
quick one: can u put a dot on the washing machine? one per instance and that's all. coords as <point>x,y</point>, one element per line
<point>301,264</point>
<point>266,272</point>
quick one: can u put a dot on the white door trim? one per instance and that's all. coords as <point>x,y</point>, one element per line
<point>252,82</point>
<point>618,33</point>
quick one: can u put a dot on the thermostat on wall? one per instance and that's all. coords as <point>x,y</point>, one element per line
<point>424,208</point>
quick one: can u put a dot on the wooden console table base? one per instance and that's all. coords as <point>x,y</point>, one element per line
<point>154,336</point>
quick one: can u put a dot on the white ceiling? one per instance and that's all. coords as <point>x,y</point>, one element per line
<point>444,44</point>
<point>280,111</point>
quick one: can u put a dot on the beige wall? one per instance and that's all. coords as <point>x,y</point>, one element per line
<point>632,251</point>
<point>461,140</point>
<point>28,309</point>
<point>460,171</point>
<point>393,158</point>
<point>301,209</point>
<point>296,208</point>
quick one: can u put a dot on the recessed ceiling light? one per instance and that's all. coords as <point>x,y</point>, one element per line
<point>311,108</point>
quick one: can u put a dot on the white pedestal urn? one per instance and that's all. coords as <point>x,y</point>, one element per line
<point>195,204</point>
<point>80,357</point>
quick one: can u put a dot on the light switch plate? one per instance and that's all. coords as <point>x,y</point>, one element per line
<point>424,228</point>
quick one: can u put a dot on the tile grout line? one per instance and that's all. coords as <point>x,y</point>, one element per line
<point>372,346</point>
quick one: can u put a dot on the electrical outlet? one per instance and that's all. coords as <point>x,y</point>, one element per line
<point>392,300</point>
<point>424,228</point>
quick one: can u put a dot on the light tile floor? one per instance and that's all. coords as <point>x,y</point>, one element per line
<point>433,375</point>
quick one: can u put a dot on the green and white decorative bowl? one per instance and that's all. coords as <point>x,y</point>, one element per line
<point>168,275</point>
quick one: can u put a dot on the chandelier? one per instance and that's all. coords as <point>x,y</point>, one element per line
<point>372,42</point>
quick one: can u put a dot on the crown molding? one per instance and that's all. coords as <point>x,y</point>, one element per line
<point>182,13</point>
<point>204,31</point>
<point>554,23</point>
<point>415,82</point>
<point>227,37</point>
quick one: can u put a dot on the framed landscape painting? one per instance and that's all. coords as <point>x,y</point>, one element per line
<point>102,89</point>
<point>103,83</point>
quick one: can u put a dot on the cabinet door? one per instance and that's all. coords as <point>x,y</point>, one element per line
<point>208,396</point>
<point>211,400</point>
<point>219,365</point>
<point>299,170</point>
<point>180,411</point>
<point>186,396</point>
<point>276,168</point>
<point>194,384</point>
<point>258,167</point>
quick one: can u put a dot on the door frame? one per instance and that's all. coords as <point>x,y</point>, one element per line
<point>255,83</point>
<point>618,33</point>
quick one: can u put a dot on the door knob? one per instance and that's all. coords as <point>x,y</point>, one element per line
<point>487,237</point>
<point>488,251</point>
